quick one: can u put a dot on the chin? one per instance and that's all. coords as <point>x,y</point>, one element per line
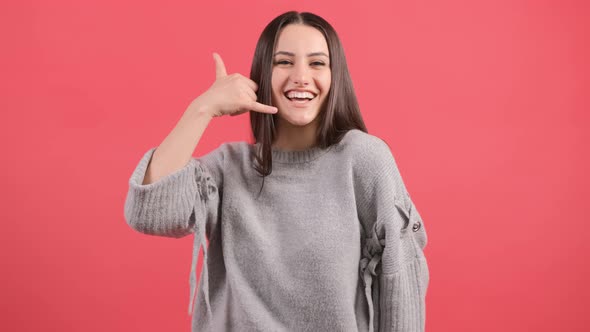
<point>299,120</point>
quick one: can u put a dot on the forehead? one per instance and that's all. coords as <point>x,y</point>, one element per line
<point>298,38</point>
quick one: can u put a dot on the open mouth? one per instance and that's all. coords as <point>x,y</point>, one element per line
<point>300,100</point>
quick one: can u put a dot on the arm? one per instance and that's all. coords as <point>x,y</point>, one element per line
<point>177,148</point>
<point>161,198</point>
<point>167,196</point>
<point>176,204</point>
<point>393,267</point>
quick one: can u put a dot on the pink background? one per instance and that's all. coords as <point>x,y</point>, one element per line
<point>484,103</point>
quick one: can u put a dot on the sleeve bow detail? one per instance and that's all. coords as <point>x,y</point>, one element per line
<point>369,264</point>
<point>372,252</point>
<point>205,185</point>
<point>207,190</point>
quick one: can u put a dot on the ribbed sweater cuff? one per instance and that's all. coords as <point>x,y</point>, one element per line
<point>402,298</point>
<point>163,207</point>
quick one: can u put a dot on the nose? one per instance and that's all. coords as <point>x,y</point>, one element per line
<point>300,74</point>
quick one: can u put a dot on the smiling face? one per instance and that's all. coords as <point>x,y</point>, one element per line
<point>301,75</point>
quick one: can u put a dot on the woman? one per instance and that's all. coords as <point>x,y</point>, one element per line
<point>309,228</point>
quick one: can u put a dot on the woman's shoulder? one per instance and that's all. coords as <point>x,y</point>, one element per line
<point>226,153</point>
<point>370,156</point>
<point>230,148</point>
<point>364,146</point>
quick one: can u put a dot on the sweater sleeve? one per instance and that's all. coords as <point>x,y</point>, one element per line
<point>183,202</point>
<point>175,205</point>
<point>393,267</point>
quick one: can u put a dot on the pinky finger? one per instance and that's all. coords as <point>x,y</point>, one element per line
<point>258,107</point>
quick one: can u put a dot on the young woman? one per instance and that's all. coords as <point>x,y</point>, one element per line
<point>311,226</point>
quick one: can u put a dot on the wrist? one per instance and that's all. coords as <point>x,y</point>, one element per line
<point>200,109</point>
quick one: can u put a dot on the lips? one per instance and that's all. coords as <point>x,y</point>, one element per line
<point>299,103</point>
<point>299,94</point>
<point>300,99</point>
<point>300,90</point>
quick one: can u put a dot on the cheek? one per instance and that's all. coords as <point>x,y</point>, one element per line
<point>277,84</point>
<point>273,83</point>
<point>326,81</point>
<point>274,79</point>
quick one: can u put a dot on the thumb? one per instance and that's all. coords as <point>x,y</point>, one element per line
<point>219,66</point>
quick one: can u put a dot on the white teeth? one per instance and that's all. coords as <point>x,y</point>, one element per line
<point>297,94</point>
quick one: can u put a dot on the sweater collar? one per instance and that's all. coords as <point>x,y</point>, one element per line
<point>299,156</point>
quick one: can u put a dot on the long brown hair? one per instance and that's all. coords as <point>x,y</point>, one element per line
<point>341,112</point>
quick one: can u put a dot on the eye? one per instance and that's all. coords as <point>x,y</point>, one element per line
<point>285,62</point>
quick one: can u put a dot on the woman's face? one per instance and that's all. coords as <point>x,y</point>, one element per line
<point>301,69</point>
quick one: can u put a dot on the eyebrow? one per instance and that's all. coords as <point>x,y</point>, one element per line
<point>308,54</point>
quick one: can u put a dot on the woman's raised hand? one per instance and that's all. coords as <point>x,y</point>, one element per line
<point>232,94</point>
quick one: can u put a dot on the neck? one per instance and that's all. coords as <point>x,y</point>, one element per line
<point>295,138</point>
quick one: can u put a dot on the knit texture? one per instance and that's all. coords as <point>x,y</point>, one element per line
<point>333,242</point>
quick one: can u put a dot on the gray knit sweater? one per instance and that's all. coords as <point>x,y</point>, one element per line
<point>332,243</point>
